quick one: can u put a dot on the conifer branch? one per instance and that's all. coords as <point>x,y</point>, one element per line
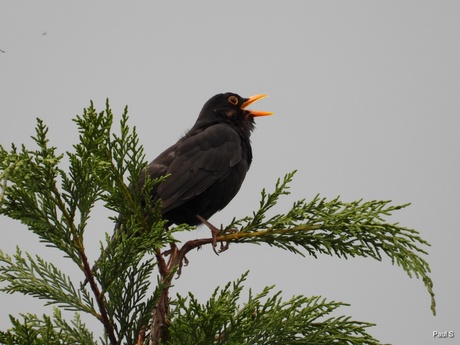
<point>56,205</point>
<point>38,278</point>
<point>332,228</point>
<point>47,331</point>
<point>263,319</point>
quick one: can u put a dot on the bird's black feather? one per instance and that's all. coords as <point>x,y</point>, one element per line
<point>207,166</point>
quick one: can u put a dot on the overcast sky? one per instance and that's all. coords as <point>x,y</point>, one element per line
<point>366,101</point>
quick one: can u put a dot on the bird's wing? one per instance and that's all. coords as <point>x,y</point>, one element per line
<point>196,163</point>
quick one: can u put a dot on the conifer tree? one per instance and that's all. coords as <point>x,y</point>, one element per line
<point>56,204</point>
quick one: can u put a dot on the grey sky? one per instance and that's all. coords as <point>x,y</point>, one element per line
<point>366,102</point>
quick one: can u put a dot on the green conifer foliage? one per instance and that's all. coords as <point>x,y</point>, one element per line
<point>128,295</point>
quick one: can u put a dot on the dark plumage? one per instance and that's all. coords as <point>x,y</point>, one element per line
<point>208,165</point>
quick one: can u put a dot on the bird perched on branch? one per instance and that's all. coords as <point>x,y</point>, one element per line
<point>208,164</point>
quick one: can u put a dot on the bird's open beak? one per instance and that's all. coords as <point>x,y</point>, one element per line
<point>251,100</point>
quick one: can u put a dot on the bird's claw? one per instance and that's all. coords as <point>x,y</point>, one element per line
<point>173,249</point>
<point>175,254</point>
<point>223,245</point>
<point>215,232</point>
<point>182,262</point>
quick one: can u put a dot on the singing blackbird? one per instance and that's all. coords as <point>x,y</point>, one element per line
<point>208,164</point>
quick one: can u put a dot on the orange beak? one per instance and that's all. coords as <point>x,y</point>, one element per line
<point>251,100</point>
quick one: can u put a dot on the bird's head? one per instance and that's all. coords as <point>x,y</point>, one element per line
<point>231,108</point>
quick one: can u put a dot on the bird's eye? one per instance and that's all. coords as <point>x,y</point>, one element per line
<point>233,100</point>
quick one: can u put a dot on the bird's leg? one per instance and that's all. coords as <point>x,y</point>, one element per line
<point>176,257</point>
<point>214,231</point>
<point>224,247</point>
<point>173,248</point>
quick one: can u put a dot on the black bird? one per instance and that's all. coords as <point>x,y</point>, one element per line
<point>208,164</point>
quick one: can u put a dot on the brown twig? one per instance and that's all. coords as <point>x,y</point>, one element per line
<point>160,325</point>
<point>103,317</point>
<point>167,268</point>
<point>141,336</point>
